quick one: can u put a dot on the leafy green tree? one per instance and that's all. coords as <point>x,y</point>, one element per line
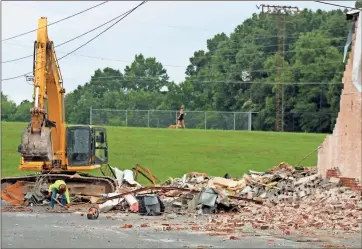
<point>145,74</point>
<point>22,113</point>
<point>138,88</point>
<point>358,4</point>
<point>237,72</point>
<point>8,108</point>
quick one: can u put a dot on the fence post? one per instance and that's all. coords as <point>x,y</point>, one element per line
<point>148,118</point>
<point>126,118</point>
<point>90,115</point>
<point>205,120</point>
<point>249,121</point>
<point>176,117</point>
<point>234,121</point>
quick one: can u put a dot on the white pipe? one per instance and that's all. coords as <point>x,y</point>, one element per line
<point>108,205</point>
<point>132,202</point>
<point>36,96</point>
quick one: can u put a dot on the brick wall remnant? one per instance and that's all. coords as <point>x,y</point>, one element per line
<point>343,148</point>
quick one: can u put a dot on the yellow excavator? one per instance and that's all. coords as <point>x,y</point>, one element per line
<point>50,147</point>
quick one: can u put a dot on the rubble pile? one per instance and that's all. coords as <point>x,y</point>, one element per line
<point>337,209</point>
<point>283,183</point>
<point>285,198</point>
<point>294,198</point>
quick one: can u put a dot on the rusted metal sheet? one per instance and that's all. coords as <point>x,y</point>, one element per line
<point>146,173</point>
<point>13,194</point>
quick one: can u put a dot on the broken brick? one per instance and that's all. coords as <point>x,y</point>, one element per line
<point>127,226</point>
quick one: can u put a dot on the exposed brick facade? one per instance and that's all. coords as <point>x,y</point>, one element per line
<point>333,173</point>
<point>343,149</point>
<point>350,182</point>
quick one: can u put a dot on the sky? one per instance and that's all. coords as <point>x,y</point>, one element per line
<point>171,31</point>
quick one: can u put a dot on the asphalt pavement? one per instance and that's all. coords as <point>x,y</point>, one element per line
<point>45,230</point>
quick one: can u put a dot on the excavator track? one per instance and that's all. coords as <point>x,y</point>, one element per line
<point>79,184</point>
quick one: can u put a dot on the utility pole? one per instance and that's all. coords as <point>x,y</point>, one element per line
<point>280,12</point>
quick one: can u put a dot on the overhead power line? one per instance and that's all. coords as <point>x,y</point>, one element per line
<point>176,66</point>
<point>74,38</point>
<point>271,53</point>
<point>130,78</point>
<point>184,67</point>
<point>337,5</point>
<point>229,41</point>
<point>265,37</point>
<point>103,30</point>
<point>265,70</point>
<point>95,57</point>
<point>212,56</point>
<point>127,13</point>
<point>68,17</point>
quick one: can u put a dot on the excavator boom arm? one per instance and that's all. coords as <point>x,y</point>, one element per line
<point>44,139</point>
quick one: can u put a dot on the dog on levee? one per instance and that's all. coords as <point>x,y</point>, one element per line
<point>172,126</point>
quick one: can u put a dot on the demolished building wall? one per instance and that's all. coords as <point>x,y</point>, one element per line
<point>342,150</point>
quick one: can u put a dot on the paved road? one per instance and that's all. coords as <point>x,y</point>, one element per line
<point>39,230</point>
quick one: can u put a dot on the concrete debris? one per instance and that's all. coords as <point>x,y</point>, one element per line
<point>282,183</point>
<point>325,210</point>
<point>285,198</point>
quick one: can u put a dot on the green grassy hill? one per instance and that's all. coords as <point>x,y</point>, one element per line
<point>169,152</point>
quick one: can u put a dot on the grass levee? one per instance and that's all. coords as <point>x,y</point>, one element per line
<point>171,153</point>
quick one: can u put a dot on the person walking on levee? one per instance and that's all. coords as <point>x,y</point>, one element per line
<point>181,119</point>
<point>59,187</point>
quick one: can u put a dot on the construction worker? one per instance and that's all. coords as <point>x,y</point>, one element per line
<point>59,187</point>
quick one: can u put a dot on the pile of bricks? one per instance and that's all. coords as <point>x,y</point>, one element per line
<point>338,209</point>
<point>352,183</point>
<point>282,183</point>
<point>285,183</point>
<point>295,200</point>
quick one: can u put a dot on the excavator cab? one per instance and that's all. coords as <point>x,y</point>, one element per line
<point>86,146</point>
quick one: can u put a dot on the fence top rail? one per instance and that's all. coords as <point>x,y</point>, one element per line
<point>134,110</point>
<point>229,112</point>
<point>131,110</point>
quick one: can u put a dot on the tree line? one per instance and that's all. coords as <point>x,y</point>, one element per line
<point>236,72</point>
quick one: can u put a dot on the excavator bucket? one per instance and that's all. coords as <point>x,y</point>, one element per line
<point>37,146</point>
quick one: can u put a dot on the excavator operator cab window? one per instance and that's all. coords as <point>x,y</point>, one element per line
<point>100,149</point>
<point>100,138</point>
<point>78,145</point>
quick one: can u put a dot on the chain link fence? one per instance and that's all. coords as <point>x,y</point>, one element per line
<point>163,119</point>
<point>292,122</point>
